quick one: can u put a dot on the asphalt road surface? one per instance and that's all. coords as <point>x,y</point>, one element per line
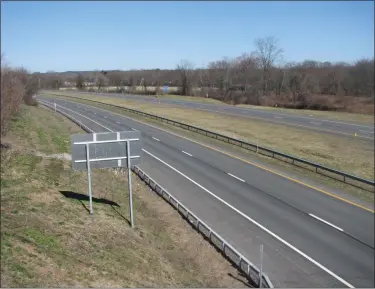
<point>310,239</point>
<point>308,122</point>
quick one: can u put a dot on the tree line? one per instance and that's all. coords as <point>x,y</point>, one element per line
<point>258,78</point>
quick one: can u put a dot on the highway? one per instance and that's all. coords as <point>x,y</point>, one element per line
<point>308,122</point>
<point>310,239</point>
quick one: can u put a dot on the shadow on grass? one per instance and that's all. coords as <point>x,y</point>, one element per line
<point>121,216</point>
<point>82,197</point>
<point>251,283</point>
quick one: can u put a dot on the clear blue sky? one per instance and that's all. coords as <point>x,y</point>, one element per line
<point>87,35</point>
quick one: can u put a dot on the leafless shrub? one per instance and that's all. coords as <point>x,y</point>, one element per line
<point>17,85</point>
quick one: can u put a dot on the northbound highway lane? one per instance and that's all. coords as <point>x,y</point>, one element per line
<point>311,122</point>
<point>310,239</point>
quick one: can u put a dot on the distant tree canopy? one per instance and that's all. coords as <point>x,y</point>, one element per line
<point>258,77</point>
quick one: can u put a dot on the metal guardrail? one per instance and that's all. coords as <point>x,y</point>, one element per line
<point>345,177</point>
<point>237,259</point>
<point>242,263</point>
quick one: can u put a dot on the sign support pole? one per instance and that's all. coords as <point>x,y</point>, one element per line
<point>130,185</point>
<point>89,176</point>
<point>261,266</point>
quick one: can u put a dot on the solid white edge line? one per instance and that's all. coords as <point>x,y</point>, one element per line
<point>83,116</point>
<point>187,154</point>
<point>257,224</point>
<point>325,222</point>
<point>236,177</point>
<point>155,138</point>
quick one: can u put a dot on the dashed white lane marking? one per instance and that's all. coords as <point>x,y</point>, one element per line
<point>155,138</point>
<point>105,117</point>
<point>256,223</point>
<point>317,123</point>
<point>187,153</point>
<point>366,131</point>
<point>277,116</point>
<point>134,129</point>
<point>328,223</point>
<point>117,122</point>
<point>236,177</point>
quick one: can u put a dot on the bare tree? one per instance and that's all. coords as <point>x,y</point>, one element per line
<point>114,79</point>
<point>80,82</point>
<point>185,69</point>
<point>268,53</point>
<point>101,80</point>
<point>221,74</point>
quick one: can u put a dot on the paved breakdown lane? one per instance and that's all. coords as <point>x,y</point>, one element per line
<point>310,239</point>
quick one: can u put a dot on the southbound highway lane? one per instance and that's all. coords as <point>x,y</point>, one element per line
<point>231,195</point>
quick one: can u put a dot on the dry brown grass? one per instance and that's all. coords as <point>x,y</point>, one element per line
<point>49,240</point>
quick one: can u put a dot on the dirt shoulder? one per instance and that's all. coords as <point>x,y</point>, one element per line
<point>48,239</point>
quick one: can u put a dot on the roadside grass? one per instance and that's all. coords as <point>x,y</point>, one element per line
<point>48,239</point>
<point>354,193</point>
<point>349,154</point>
<point>196,99</point>
<point>329,115</point>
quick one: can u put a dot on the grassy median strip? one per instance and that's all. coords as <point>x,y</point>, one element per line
<point>330,115</point>
<point>48,239</point>
<point>276,164</point>
<point>349,154</point>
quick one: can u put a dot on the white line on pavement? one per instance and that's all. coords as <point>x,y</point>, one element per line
<point>328,223</point>
<point>236,177</point>
<point>257,224</point>
<point>187,153</point>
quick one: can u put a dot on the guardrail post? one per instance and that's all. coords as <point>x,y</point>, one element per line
<point>261,266</point>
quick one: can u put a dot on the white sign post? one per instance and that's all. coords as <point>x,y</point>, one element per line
<point>106,150</point>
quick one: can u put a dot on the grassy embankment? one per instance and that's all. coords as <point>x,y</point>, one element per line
<point>48,239</point>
